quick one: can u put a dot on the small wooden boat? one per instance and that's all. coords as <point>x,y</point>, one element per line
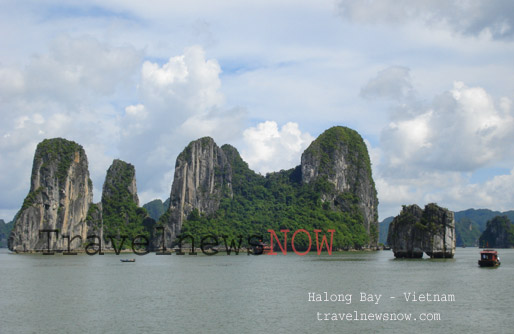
<point>266,249</point>
<point>489,258</point>
<point>128,260</point>
<point>262,248</point>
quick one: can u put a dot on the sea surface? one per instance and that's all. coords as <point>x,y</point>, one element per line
<point>252,294</point>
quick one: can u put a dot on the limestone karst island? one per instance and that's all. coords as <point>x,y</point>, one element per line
<point>214,192</point>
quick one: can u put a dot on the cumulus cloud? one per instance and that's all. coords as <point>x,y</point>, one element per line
<point>69,92</point>
<point>188,82</point>
<point>179,101</point>
<point>495,193</point>
<point>462,130</point>
<point>429,150</point>
<point>65,92</point>
<point>451,189</point>
<point>222,124</point>
<point>392,83</point>
<point>494,18</point>
<point>76,69</point>
<point>271,149</point>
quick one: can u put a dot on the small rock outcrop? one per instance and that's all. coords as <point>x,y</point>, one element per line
<point>59,198</point>
<point>203,176</point>
<point>499,233</point>
<point>416,231</point>
<point>340,156</point>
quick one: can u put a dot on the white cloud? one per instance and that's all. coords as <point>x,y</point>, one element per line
<point>65,92</point>
<point>450,189</point>
<point>223,125</point>
<point>429,150</point>
<point>180,101</point>
<point>79,69</point>
<point>393,83</point>
<point>305,65</point>
<point>269,149</point>
<point>68,92</point>
<point>461,130</point>
<point>189,83</point>
<point>475,17</point>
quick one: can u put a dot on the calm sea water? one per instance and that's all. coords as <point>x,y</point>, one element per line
<point>249,294</point>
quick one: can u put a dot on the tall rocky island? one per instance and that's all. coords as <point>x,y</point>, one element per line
<point>215,192</point>
<point>60,200</point>
<point>203,176</point>
<point>119,209</point>
<point>340,157</point>
<point>430,230</point>
<point>59,197</point>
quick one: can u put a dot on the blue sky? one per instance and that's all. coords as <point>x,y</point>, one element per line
<point>429,85</point>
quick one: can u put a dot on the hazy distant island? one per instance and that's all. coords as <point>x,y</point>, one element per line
<point>5,230</point>
<point>213,192</point>
<point>499,233</point>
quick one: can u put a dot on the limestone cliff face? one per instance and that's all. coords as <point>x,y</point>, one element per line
<point>59,197</point>
<point>440,241</point>
<point>340,156</point>
<point>404,236</point>
<point>203,176</point>
<point>415,231</point>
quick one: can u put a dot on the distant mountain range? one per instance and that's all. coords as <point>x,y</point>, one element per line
<point>469,225</point>
<point>157,208</point>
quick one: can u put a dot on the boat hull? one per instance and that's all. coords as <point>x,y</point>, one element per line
<point>488,263</point>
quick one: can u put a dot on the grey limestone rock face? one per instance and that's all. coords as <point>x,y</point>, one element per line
<point>203,176</point>
<point>59,198</point>
<point>416,231</point>
<point>340,156</point>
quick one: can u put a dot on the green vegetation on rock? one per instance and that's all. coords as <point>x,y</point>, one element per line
<point>327,144</point>
<point>120,211</point>
<point>157,208</point>
<point>31,197</point>
<point>498,233</point>
<point>57,150</point>
<point>94,218</point>
<point>277,201</point>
